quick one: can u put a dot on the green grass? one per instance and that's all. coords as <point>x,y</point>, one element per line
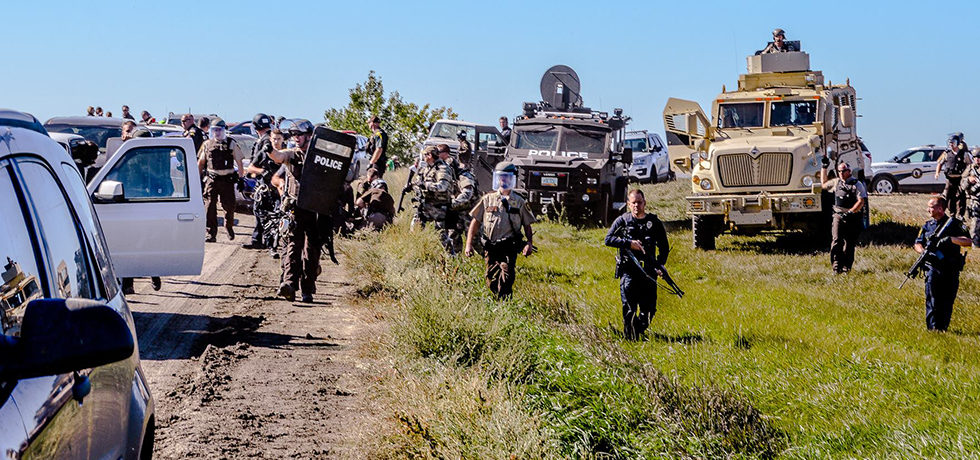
<point>768,354</point>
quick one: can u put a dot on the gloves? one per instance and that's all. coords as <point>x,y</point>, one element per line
<point>240,185</point>
<point>825,162</point>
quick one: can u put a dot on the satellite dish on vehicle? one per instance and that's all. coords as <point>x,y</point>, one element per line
<point>560,88</point>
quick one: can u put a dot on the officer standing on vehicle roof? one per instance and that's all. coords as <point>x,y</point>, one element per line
<point>436,190</point>
<point>778,44</point>
<point>643,234</point>
<point>217,160</point>
<point>377,146</point>
<point>953,162</point>
<point>265,198</point>
<point>499,217</point>
<point>850,194</point>
<point>301,261</point>
<point>944,266</point>
<point>504,130</point>
<point>192,131</point>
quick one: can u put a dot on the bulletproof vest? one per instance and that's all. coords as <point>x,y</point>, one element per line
<point>436,173</point>
<point>467,179</point>
<point>955,163</point>
<point>637,229</point>
<point>846,194</point>
<point>220,155</point>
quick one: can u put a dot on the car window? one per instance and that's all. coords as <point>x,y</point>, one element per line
<point>97,134</point>
<point>638,145</point>
<point>488,140</point>
<point>17,259</point>
<point>152,174</point>
<point>919,156</point>
<point>92,229</point>
<point>66,257</point>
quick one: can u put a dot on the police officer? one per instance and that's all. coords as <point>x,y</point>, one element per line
<point>850,194</point>
<point>953,162</point>
<point>301,261</point>
<point>217,160</point>
<point>466,195</point>
<point>377,205</point>
<point>778,43</point>
<point>944,266</point>
<point>971,188</point>
<point>643,234</point>
<point>378,146</point>
<point>504,130</point>
<point>265,198</point>
<point>435,187</point>
<point>464,145</point>
<point>500,217</point>
<point>191,130</point>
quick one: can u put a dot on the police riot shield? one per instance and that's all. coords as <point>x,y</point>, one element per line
<point>324,170</point>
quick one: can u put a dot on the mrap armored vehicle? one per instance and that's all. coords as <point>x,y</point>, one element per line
<point>570,158</point>
<point>755,164</point>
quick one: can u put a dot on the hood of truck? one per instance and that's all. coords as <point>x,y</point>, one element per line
<point>759,163</point>
<point>790,144</point>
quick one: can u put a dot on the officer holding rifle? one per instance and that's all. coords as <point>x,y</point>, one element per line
<point>939,244</point>
<point>643,248</point>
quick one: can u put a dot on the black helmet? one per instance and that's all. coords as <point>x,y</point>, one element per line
<point>301,126</point>
<point>506,166</point>
<point>461,134</point>
<point>220,124</point>
<point>955,138</point>
<point>261,121</point>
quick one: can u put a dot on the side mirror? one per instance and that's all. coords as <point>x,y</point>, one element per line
<point>110,191</point>
<point>627,155</point>
<point>59,336</point>
<point>847,116</point>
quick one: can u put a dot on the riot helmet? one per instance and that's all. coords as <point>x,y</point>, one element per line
<point>379,183</point>
<point>300,126</point>
<point>261,121</point>
<point>504,176</point>
<point>461,135</point>
<point>955,138</point>
<point>218,131</point>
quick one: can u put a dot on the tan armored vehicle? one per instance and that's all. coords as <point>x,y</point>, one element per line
<point>755,163</point>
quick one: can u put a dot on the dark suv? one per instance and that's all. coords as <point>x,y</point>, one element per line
<point>71,385</point>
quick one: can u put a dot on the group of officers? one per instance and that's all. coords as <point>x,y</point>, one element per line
<point>960,201</point>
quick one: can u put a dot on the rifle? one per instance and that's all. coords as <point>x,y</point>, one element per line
<point>671,286</point>
<point>408,186</point>
<point>931,245</point>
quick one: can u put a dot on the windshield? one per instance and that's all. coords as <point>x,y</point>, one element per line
<point>97,134</point>
<point>744,115</point>
<point>448,131</point>
<point>793,113</point>
<point>583,141</point>
<point>638,145</point>
<point>537,140</point>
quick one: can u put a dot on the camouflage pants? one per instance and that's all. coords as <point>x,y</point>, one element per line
<point>442,219</point>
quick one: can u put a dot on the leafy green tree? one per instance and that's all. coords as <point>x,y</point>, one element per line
<point>407,123</point>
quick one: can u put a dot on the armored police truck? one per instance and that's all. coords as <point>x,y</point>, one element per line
<point>755,164</point>
<point>570,158</point>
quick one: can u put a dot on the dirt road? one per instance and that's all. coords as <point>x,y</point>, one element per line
<point>237,372</point>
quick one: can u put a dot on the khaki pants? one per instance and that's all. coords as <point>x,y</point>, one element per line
<point>216,190</point>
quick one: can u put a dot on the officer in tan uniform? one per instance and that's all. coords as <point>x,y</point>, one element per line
<point>500,216</point>
<point>217,159</point>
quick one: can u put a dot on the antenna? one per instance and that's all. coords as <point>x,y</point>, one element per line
<point>560,88</point>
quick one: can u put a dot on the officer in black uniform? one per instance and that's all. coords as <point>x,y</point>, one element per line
<point>850,194</point>
<point>217,161</point>
<point>191,130</point>
<point>953,163</point>
<point>643,234</point>
<point>266,197</point>
<point>377,146</point>
<point>504,130</point>
<point>944,266</point>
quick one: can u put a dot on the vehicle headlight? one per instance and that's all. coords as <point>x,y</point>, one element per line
<point>585,197</point>
<point>807,181</point>
<point>705,184</point>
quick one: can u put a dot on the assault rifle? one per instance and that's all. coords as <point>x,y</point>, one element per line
<point>408,186</point>
<point>929,251</point>
<point>671,286</point>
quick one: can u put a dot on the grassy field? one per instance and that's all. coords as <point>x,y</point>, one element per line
<point>768,355</point>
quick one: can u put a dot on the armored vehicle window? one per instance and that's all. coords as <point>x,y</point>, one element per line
<point>539,140</point>
<point>793,113</point>
<point>583,141</point>
<point>744,115</point>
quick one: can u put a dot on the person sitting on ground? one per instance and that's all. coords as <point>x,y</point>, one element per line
<point>377,205</point>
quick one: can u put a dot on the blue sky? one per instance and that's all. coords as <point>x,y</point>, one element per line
<point>914,65</point>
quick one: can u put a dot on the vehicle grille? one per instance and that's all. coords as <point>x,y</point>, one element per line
<point>741,170</point>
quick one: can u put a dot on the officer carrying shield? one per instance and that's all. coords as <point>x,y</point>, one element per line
<point>301,261</point>
<point>217,159</point>
<point>643,234</point>
<point>500,217</point>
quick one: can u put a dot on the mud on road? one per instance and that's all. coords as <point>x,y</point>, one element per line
<point>237,372</point>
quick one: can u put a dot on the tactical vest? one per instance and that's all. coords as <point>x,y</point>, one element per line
<point>221,156</point>
<point>466,179</point>
<point>955,163</point>
<point>436,173</point>
<point>846,194</point>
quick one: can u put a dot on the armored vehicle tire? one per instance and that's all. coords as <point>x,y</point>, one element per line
<point>705,229</point>
<point>884,184</point>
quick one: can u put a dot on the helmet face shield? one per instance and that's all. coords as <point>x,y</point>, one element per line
<point>217,132</point>
<point>503,180</point>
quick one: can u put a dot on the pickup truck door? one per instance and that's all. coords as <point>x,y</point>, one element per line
<point>685,124</point>
<point>155,226</point>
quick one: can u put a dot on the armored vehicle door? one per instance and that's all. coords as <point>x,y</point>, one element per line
<point>489,151</point>
<point>686,126</point>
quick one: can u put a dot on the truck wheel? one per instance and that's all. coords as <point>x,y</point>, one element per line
<point>705,228</point>
<point>884,185</point>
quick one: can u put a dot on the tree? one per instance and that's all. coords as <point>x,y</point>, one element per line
<point>407,124</point>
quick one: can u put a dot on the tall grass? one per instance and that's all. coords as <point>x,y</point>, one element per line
<point>768,355</point>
